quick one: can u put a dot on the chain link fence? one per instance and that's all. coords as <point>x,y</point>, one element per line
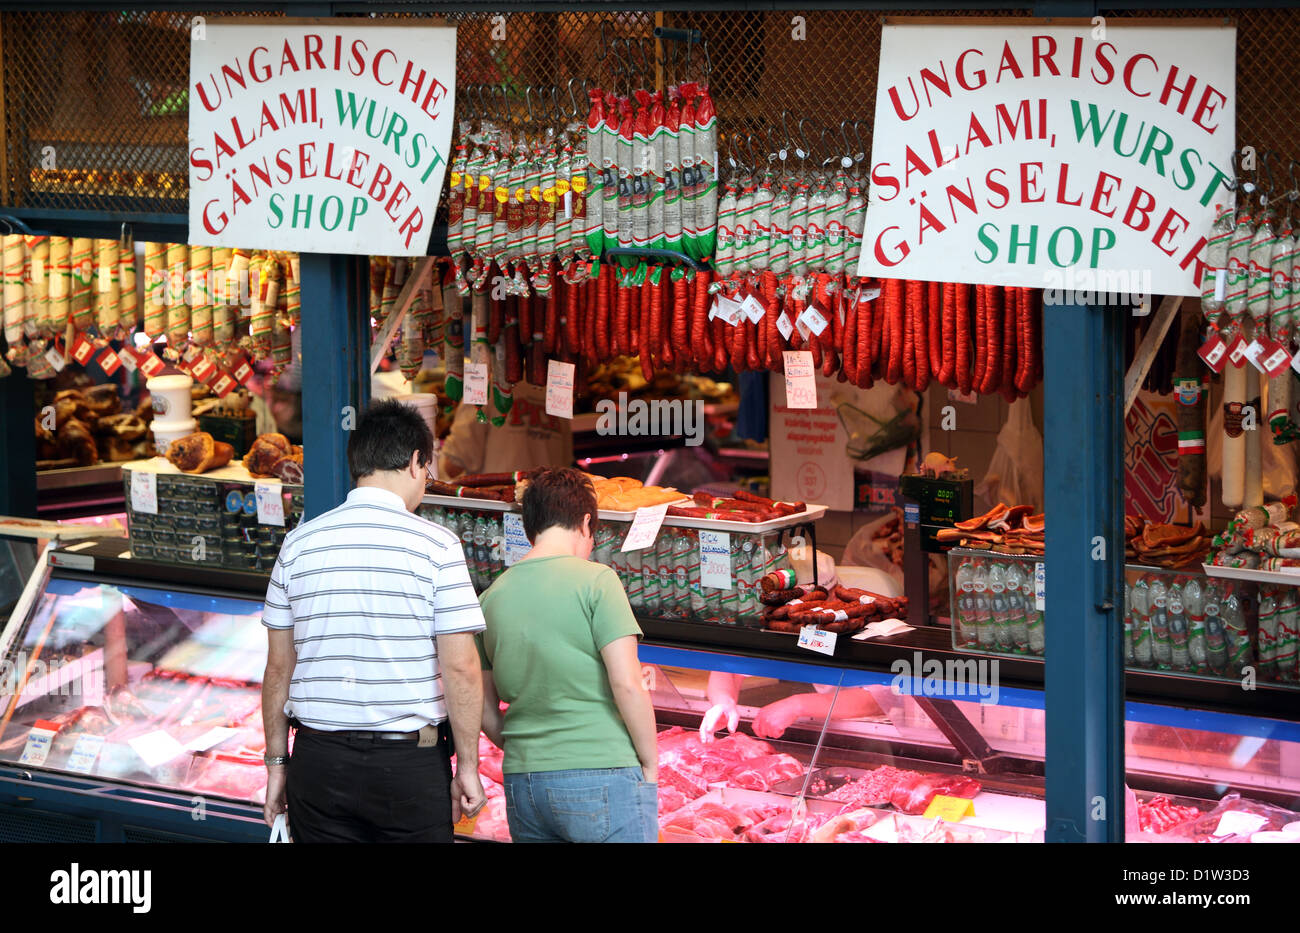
<point>95,110</point>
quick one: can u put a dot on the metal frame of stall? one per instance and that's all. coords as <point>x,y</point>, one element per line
<point>1083,445</point>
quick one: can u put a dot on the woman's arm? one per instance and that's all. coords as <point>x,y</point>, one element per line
<point>492,718</point>
<point>633,701</point>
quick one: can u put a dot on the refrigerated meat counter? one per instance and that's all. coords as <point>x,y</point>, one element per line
<point>130,709</point>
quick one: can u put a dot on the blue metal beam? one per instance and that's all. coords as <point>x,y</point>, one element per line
<point>1084,492</point>
<point>335,371</point>
<point>18,461</point>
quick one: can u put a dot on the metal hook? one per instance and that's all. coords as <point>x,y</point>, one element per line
<point>573,102</point>
<point>803,140</point>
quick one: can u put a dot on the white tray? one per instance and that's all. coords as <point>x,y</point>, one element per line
<point>1285,578</point>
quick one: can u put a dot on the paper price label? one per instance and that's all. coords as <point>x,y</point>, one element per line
<point>55,359</point>
<point>82,349</point>
<point>156,748</point>
<point>203,369</point>
<point>476,383</point>
<point>715,559</point>
<point>815,639</point>
<point>1040,587</point>
<point>559,389</point>
<point>753,309</point>
<point>800,381</point>
<point>1214,352</point>
<point>144,492</point>
<point>1237,351</point>
<point>645,527</point>
<point>243,371</point>
<point>1252,352</point>
<point>814,320</point>
<point>109,361</point>
<point>949,809</point>
<point>783,326</point>
<point>270,503</point>
<point>127,359</point>
<point>84,753</point>
<point>213,737</point>
<point>516,541</point>
<point>223,385</point>
<point>729,310</point>
<point>869,294</point>
<point>38,744</point>
<point>150,365</point>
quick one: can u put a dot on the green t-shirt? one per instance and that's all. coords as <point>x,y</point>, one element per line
<point>547,620</point>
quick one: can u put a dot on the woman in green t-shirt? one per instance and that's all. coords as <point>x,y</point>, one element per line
<point>560,646</point>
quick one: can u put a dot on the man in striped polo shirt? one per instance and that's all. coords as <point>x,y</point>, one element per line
<point>371,619</point>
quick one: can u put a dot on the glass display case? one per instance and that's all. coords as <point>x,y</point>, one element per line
<point>135,698</point>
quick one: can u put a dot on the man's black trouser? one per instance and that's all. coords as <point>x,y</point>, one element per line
<point>353,788</point>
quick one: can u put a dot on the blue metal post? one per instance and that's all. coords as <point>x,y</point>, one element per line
<point>18,454</point>
<point>1084,490</point>
<point>335,371</point>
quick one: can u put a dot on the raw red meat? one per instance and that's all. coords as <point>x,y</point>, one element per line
<point>670,799</point>
<point>682,780</point>
<point>1161,814</point>
<point>908,791</point>
<point>761,773</point>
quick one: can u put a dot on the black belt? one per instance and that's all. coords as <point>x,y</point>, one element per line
<point>363,734</point>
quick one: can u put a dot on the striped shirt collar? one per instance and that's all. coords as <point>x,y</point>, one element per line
<point>373,495</point>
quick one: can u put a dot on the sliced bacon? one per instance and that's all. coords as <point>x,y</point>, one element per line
<point>981,521</point>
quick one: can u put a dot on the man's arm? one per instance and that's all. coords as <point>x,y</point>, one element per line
<point>462,682</point>
<point>281,657</point>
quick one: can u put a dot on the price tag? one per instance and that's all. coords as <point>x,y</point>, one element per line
<point>1274,359</point>
<point>559,389</point>
<point>783,326</point>
<point>645,527</point>
<point>516,541</point>
<point>800,382</point>
<point>753,309</point>
<point>127,359</point>
<point>203,369</point>
<point>109,361</point>
<point>1252,353</point>
<point>1214,352</point>
<point>38,744</point>
<point>270,503</point>
<point>150,365</point>
<point>1237,351</point>
<point>84,753</point>
<point>815,639</point>
<point>715,559</point>
<point>814,320</point>
<point>144,492</point>
<point>1040,587</point>
<point>1220,284</point>
<point>223,385</point>
<point>1239,823</point>
<point>243,370</point>
<point>55,359</point>
<point>728,310</point>
<point>476,383</point>
<point>869,294</point>
<point>213,737</point>
<point>82,349</point>
<point>156,748</point>
<point>949,809</point>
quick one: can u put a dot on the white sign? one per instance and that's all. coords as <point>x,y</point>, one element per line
<point>645,527</point>
<point>800,379</point>
<point>729,310</point>
<point>319,137</point>
<point>815,639</point>
<point>753,309</point>
<point>476,382</point>
<point>144,492</point>
<point>38,745</point>
<point>809,455</point>
<point>516,541</point>
<point>715,559</point>
<point>270,503</point>
<point>85,752</point>
<point>559,389</point>
<point>156,748</point>
<point>814,320</point>
<point>214,736</point>
<point>1040,586</point>
<point>1046,156</point>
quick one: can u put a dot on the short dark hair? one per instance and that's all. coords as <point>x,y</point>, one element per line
<point>384,438</point>
<point>558,497</point>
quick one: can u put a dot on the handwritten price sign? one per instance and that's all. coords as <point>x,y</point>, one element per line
<point>800,381</point>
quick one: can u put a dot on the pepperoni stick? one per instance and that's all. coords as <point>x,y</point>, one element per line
<point>917,294</point>
<point>909,336</point>
<point>849,370</point>
<point>1010,341</point>
<point>1036,335</point>
<point>681,324</point>
<point>978,358</point>
<point>948,348</point>
<point>934,326</point>
<point>868,314</point>
<point>992,340</point>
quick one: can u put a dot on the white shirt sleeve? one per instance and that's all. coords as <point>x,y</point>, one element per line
<point>455,605</point>
<point>276,610</point>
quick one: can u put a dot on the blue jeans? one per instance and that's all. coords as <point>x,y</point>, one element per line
<point>597,805</point>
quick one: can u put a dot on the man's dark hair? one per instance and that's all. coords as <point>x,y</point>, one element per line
<point>558,497</point>
<point>385,436</point>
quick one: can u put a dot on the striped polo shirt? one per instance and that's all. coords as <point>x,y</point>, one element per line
<point>366,587</point>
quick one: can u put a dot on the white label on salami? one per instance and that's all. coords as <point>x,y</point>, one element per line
<point>476,383</point>
<point>55,359</point>
<point>729,310</point>
<point>1220,284</point>
<point>783,326</point>
<point>753,309</point>
<point>870,294</point>
<point>813,319</point>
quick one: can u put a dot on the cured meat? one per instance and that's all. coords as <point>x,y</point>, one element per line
<point>761,773</point>
<point>908,791</point>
